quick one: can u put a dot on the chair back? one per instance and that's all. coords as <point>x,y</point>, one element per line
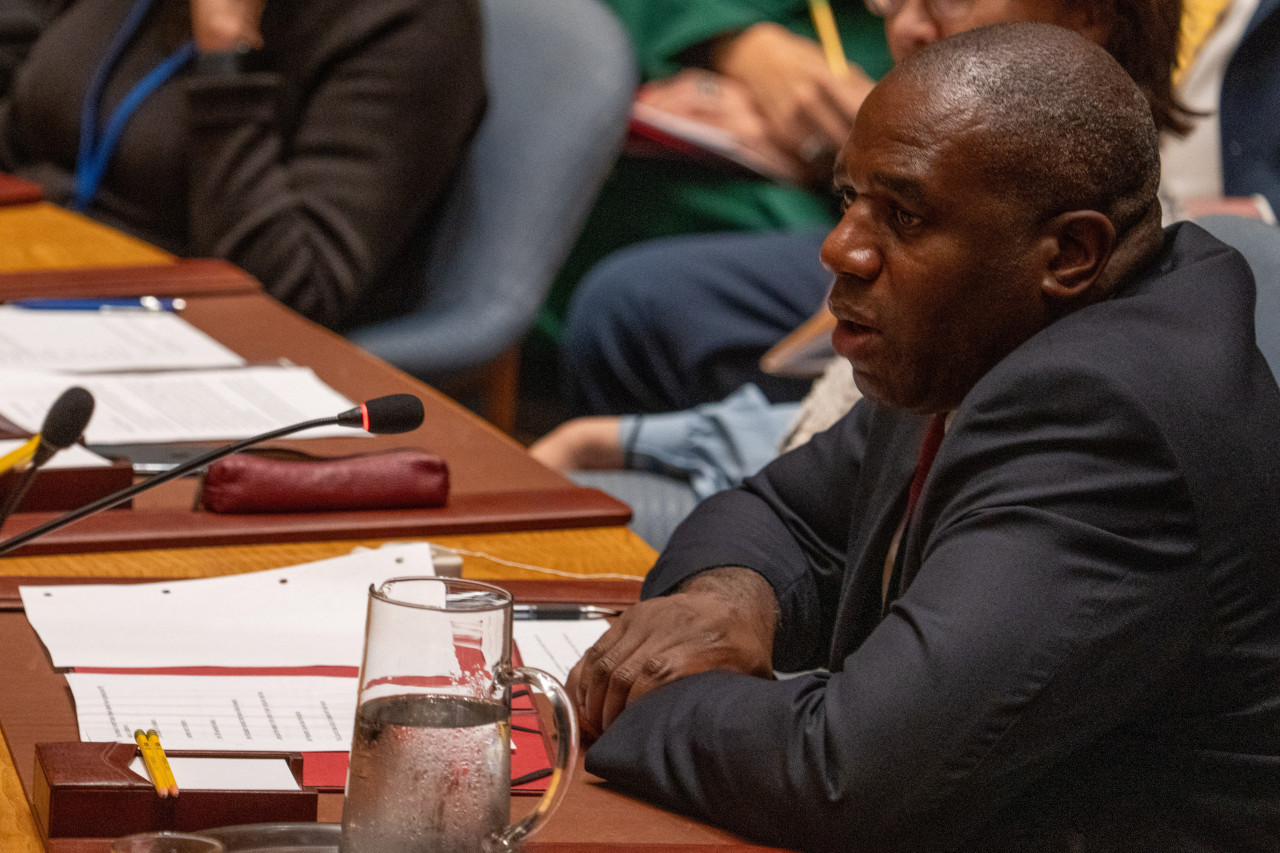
<point>561,76</point>
<point>1260,245</point>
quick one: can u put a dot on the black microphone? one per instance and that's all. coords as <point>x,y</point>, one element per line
<point>62,427</point>
<point>388,415</point>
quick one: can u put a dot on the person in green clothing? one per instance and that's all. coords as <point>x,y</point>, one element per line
<point>769,51</point>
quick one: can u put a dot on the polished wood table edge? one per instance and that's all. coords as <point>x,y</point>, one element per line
<point>495,484</point>
<point>40,235</point>
<point>473,512</point>
<point>180,277</point>
<point>581,552</point>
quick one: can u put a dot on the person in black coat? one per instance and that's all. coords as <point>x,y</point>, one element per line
<point>1064,634</point>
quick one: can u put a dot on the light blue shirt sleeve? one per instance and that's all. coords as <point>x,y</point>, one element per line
<point>713,446</point>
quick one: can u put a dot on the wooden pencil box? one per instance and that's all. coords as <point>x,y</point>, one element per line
<point>65,489</point>
<point>86,790</point>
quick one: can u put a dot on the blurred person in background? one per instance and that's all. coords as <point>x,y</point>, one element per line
<point>752,67</point>
<point>664,326</point>
<point>302,141</point>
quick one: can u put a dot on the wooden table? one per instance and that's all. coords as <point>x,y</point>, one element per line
<point>591,817</point>
<point>40,236</point>
<point>43,236</point>
<point>587,552</point>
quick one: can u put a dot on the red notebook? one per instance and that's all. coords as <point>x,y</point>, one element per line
<point>705,118</point>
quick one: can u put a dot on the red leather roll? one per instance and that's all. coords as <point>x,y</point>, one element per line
<point>398,479</point>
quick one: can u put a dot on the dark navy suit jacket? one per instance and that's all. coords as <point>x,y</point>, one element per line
<point>1250,117</point>
<point>1084,652</point>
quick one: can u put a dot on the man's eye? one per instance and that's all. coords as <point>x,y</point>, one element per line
<point>904,219</point>
<point>847,197</point>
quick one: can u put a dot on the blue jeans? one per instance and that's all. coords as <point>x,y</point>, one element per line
<point>674,322</point>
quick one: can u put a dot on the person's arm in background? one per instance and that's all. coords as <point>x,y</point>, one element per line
<point>770,47</point>
<point>712,446</point>
<point>223,25</point>
<point>670,35</point>
<point>311,173</point>
<point>807,107</point>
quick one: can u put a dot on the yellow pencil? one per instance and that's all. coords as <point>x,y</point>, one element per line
<point>20,455</point>
<point>149,759</point>
<point>153,738</point>
<point>829,37</point>
<point>157,764</point>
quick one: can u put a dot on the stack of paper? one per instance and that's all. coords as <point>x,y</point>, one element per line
<point>155,378</point>
<point>259,661</point>
<point>264,661</point>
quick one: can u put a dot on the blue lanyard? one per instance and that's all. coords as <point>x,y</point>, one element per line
<point>95,148</point>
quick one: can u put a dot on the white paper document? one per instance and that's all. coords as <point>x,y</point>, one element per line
<point>74,456</point>
<point>307,615</point>
<point>553,645</point>
<point>100,341</point>
<point>193,405</point>
<point>227,773</point>
<point>293,713</point>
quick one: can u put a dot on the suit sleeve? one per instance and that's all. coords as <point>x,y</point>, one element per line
<point>790,523</point>
<point>1056,596</point>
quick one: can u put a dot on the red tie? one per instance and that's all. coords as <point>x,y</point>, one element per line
<point>893,560</point>
<point>928,450</point>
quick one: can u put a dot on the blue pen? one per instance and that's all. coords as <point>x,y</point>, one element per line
<point>141,303</point>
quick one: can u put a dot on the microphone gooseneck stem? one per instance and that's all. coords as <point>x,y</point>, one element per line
<point>173,473</point>
<point>14,499</point>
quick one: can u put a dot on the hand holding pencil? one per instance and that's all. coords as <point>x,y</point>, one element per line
<point>806,92</point>
<point>824,21</point>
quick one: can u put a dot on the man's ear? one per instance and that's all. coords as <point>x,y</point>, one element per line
<point>1078,244</point>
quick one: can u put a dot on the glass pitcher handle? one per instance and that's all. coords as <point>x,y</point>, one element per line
<point>566,725</point>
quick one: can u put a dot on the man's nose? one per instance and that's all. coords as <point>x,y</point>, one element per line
<point>850,249</point>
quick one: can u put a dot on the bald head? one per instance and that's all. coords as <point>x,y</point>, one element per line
<point>1061,124</point>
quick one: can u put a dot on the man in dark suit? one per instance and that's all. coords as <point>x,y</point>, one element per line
<point>1065,633</point>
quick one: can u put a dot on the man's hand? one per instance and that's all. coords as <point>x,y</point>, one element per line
<point>220,25</point>
<point>808,110</point>
<point>720,619</point>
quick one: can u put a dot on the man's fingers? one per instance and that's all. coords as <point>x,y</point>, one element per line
<point>628,660</point>
<point>723,621</point>
<point>591,657</point>
<point>850,92</point>
<point>636,677</point>
<point>608,670</point>
<point>825,114</point>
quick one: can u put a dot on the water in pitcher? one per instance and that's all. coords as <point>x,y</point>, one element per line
<point>434,775</point>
